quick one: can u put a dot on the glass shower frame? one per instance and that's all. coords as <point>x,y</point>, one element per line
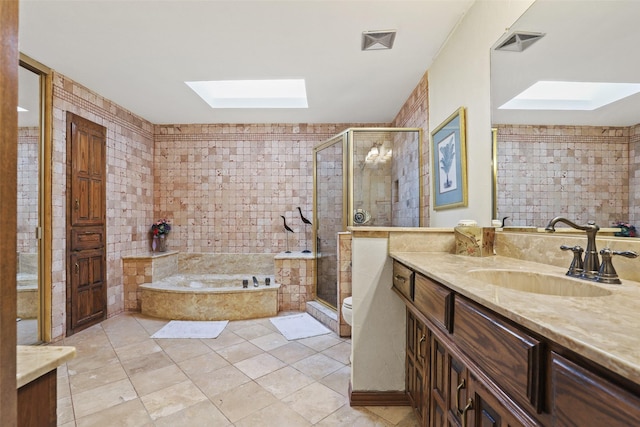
<point>352,211</point>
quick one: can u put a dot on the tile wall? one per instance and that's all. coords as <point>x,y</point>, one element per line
<point>581,172</point>
<point>415,114</point>
<point>130,207</point>
<point>634,175</point>
<point>27,215</point>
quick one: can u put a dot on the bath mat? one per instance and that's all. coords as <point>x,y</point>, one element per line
<point>191,329</point>
<point>299,326</point>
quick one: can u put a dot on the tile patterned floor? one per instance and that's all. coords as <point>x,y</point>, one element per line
<point>249,376</point>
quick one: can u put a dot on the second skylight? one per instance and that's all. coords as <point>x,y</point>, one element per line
<point>283,93</point>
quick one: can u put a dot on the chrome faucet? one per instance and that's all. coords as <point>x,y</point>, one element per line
<point>591,264</point>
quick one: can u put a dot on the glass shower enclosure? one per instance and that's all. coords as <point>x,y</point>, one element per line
<point>362,177</point>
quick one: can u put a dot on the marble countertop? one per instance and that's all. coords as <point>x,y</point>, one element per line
<point>34,361</point>
<point>604,329</point>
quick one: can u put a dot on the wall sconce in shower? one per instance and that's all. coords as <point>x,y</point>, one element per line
<point>378,153</point>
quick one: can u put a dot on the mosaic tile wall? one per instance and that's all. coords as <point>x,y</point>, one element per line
<point>129,188</point>
<point>575,171</point>
<point>415,114</point>
<point>224,187</point>
<point>27,215</point>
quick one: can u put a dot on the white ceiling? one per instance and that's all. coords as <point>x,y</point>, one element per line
<point>586,41</point>
<point>139,53</point>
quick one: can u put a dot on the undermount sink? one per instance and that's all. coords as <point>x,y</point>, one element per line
<point>539,283</point>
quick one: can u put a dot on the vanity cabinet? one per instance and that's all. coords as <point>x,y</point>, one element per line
<point>467,366</point>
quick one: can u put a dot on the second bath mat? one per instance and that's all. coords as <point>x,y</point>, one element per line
<point>299,326</point>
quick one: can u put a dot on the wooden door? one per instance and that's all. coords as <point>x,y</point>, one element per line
<point>86,213</point>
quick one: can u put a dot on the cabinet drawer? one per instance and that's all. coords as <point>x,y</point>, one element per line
<point>87,238</point>
<point>403,280</point>
<point>434,301</point>
<point>581,398</point>
<point>509,356</point>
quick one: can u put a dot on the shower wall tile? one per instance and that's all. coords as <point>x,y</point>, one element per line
<point>581,172</point>
<point>296,275</point>
<point>344,279</point>
<point>415,114</point>
<point>130,206</point>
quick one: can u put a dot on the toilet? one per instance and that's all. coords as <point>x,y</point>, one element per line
<point>347,310</point>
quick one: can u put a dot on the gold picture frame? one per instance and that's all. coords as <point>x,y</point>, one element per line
<point>449,162</point>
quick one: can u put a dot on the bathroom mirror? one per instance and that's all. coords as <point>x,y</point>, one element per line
<point>562,162</point>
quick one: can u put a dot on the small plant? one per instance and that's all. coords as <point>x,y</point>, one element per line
<point>161,228</point>
<point>626,229</point>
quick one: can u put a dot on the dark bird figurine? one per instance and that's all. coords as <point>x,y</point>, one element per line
<point>306,222</point>
<point>287,228</point>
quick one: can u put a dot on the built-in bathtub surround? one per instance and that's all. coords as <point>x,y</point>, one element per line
<point>151,267</point>
<point>581,172</point>
<point>209,297</point>
<point>295,272</point>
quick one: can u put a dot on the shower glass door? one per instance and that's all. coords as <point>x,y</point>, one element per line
<point>330,218</point>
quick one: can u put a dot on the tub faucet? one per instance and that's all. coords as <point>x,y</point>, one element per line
<point>591,259</point>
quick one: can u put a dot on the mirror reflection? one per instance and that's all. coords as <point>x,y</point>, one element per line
<point>29,137</point>
<point>579,164</point>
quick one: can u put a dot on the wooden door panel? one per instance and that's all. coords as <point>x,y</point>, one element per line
<point>86,213</point>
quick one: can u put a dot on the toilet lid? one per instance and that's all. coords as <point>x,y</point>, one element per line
<point>347,302</point>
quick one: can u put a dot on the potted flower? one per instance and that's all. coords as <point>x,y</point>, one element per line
<point>159,230</point>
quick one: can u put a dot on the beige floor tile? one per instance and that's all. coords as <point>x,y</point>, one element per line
<point>151,381</point>
<point>151,324</point>
<point>243,401</point>
<point>270,341</point>
<point>130,333</point>
<point>97,377</point>
<point>317,366</point>
<point>339,380</point>
<point>84,361</point>
<point>315,402</point>
<point>65,410</point>
<point>393,414</point>
<point>203,364</point>
<point>321,342</point>
<point>101,398</point>
<point>292,352</point>
<point>148,362</point>
<point>277,414</point>
<point>348,416</point>
<point>172,399</point>
<point>238,352</point>
<point>257,366</point>
<point>253,331</point>
<point>225,339</point>
<point>183,349</point>
<point>63,389</point>
<point>137,349</point>
<point>340,352</point>
<point>240,324</point>
<point>221,380</point>
<point>201,414</point>
<point>127,414</point>
<point>285,381</point>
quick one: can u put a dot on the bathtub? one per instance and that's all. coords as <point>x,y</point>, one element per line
<point>209,297</point>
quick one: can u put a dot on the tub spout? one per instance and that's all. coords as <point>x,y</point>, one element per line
<point>255,282</point>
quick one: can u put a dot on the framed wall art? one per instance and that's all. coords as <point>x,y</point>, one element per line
<point>448,146</point>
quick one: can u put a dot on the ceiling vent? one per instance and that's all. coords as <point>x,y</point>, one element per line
<point>378,40</point>
<point>518,41</point>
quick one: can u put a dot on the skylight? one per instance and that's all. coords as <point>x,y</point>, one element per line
<point>552,95</point>
<point>284,93</point>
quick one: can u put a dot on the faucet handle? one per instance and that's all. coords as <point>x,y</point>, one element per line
<point>607,273</point>
<point>577,267</point>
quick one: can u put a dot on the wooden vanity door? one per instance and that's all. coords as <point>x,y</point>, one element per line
<point>86,213</point>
